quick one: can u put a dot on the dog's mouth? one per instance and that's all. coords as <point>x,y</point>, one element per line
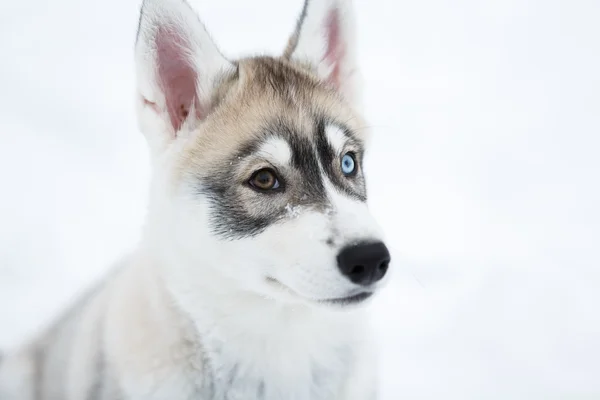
<point>340,301</point>
<point>354,299</point>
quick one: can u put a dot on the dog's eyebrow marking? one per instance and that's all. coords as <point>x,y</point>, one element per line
<point>277,149</point>
<point>337,138</point>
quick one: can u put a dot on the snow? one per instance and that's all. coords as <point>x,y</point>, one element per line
<point>483,170</point>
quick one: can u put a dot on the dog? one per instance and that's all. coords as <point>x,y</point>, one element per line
<point>258,254</point>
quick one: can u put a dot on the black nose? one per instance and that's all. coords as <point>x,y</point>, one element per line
<point>364,263</point>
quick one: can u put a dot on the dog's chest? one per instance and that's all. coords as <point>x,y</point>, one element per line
<point>279,372</point>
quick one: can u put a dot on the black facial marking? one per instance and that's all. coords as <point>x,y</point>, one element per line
<point>311,154</point>
<point>324,148</point>
<point>331,163</point>
<point>229,219</point>
<point>249,148</point>
<point>305,162</point>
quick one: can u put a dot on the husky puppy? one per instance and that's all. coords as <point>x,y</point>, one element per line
<point>258,251</point>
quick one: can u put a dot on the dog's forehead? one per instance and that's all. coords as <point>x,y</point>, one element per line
<point>268,97</point>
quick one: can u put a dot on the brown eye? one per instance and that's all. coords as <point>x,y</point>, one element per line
<point>264,179</point>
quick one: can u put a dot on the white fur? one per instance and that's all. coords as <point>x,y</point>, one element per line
<point>279,335</point>
<point>336,138</point>
<point>262,329</point>
<point>276,149</point>
<point>202,51</point>
<point>189,309</point>
<point>312,45</point>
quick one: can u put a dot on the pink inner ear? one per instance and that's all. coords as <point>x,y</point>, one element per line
<point>335,47</point>
<point>176,76</point>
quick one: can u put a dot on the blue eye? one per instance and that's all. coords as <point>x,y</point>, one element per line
<point>348,164</point>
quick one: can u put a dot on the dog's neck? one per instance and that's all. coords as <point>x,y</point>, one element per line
<point>246,343</point>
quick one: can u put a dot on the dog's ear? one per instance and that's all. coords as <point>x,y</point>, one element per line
<point>325,39</point>
<point>177,65</point>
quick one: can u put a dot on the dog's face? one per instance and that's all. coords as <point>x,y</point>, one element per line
<point>259,178</point>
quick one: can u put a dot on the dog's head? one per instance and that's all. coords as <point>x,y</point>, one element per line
<point>258,163</point>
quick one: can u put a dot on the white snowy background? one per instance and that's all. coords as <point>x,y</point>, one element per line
<point>484,171</point>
